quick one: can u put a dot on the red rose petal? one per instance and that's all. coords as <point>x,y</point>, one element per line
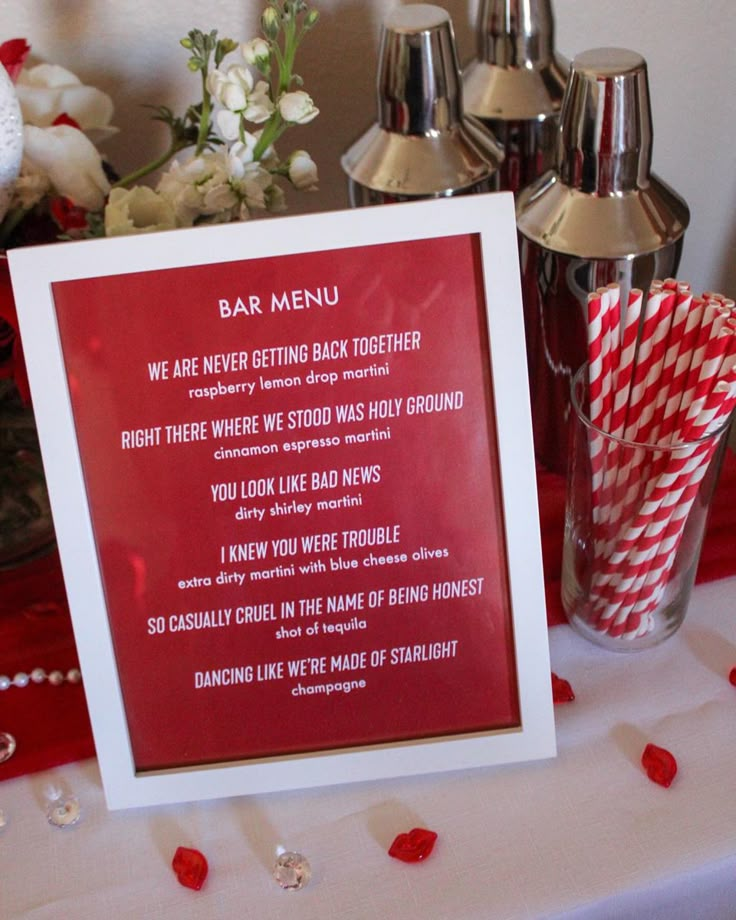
<point>659,764</point>
<point>562,692</point>
<point>190,867</point>
<point>414,846</point>
<point>68,215</point>
<point>13,54</point>
<point>64,118</point>
<point>732,676</point>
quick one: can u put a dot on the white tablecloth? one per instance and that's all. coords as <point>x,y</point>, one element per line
<point>585,835</point>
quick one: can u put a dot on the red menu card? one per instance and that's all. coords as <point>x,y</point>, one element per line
<point>292,474</point>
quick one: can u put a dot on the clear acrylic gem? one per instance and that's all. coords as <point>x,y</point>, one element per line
<point>7,746</point>
<point>292,871</point>
<point>64,811</point>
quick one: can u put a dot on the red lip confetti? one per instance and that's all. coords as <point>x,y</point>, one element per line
<point>732,676</point>
<point>659,764</point>
<point>190,867</point>
<point>414,846</point>
<point>562,692</point>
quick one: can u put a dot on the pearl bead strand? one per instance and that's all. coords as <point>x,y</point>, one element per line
<point>38,676</point>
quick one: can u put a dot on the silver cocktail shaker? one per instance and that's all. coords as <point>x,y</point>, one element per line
<point>422,145</point>
<point>516,83</point>
<point>599,216</point>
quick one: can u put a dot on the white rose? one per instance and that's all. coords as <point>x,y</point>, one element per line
<point>297,108</point>
<point>70,160</point>
<point>256,52</point>
<point>47,90</point>
<point>302,171</point>
<point>137,210</point>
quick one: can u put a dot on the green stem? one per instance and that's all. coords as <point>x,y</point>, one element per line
<point>273,130</point>
<point>150,167</point>
<point>290,46</point>
<point>204,121</point>
<point>276,51</point>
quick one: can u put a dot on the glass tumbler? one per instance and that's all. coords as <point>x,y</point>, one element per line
<point>635,517</point>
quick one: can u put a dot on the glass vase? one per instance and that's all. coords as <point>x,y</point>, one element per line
<point>635,518</point>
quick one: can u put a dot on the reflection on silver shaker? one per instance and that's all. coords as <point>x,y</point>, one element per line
<point>515,85</point>
<point>422,145</point>
<point>599,216</point>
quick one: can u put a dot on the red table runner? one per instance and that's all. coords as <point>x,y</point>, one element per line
<point>51,724</point>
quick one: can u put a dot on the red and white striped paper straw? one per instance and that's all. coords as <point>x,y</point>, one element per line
<point>662,376</point>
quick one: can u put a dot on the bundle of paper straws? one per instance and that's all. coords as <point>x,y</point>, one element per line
<point>662,371</point>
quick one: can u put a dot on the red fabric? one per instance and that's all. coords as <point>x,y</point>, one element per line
<point>51,724</point>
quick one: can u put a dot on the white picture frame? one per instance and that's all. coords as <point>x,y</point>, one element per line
<point>38,272</point>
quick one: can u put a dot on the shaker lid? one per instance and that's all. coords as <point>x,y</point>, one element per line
<point>601,200</point>
<point>517,74</point>
<point>571,222</point>
<point>422,142</point>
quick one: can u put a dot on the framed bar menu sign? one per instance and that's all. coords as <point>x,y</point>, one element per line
<point>291,470</point>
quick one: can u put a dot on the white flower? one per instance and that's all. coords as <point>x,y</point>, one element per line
<point>228,124</point>
<point>236,92</point>
<point>137,210</point>
<point>231,88</point>
<point>257,53</point>
<point>71,162</point>
<point>244,150</point>
<point>200,188</point>
<point>250,180</point>
<point>47,90</point>
<point>275,199</point>
<point>241,152</point>
<point>259,108</point>
<point>297,108</point>
<point>302,171</point>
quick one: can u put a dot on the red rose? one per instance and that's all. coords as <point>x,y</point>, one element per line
<point>16,365</point>
<point>13,54</point>
<point>68,215</point>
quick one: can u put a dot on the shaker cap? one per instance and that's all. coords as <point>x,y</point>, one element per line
<point>605,141</point>
<point>602,200</point>
<point>422,142</point>
<point>517,74</point>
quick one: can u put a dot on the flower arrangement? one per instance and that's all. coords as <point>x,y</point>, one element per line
<point>221,163</point>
